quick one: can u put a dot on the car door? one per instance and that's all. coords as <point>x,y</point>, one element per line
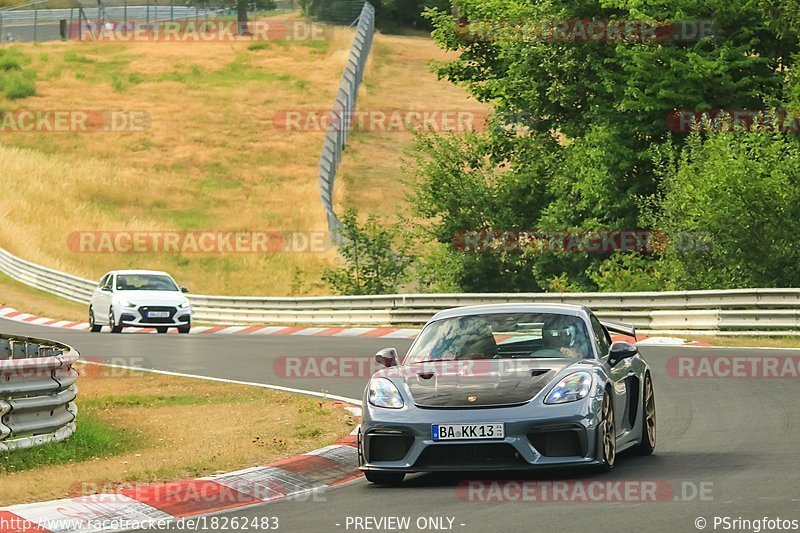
<point>619,374</point>
<point>103,298</point>
<point>96,298</point>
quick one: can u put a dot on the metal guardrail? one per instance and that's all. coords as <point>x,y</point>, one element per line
<point>342,113</point>
<point>770,311</point>
<point>38,387</point>
<point>36,22</point>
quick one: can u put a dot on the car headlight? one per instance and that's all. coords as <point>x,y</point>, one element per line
<point>122,302</point>
<point>384,393</point>
<point>570,389</point>
<point>184,305</point>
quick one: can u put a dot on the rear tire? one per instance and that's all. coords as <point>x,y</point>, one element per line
<point>648,442</point>
<point>384,478</point>
<point>93,326</point>
<point>161,329</point>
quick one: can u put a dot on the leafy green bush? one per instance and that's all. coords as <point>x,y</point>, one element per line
<point>18,84</point>
<point>627,272</point>
<point>371,266</point>
<point>739,195</point>
<point>15,80</point>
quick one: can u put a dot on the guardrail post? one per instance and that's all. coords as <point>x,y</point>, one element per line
<point>35,21</point>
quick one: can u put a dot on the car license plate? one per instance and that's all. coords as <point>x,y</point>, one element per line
<point>468,431</point>
<point>158,314</point>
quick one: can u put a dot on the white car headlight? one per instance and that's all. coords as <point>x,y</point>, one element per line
<point>384,393</point>
<point>122,302</point>
<point>185,304</point>
<point>570,389</point>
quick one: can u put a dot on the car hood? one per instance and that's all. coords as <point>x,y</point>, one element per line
<point>171,298</point>
<point>478,383</point>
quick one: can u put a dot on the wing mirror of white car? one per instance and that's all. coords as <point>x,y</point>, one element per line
<point>106,289</point>
<point>387,357</point>
<point>184,289</point>
<point>621,350</point>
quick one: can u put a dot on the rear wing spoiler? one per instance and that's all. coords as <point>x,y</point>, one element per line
<point>620,327</point>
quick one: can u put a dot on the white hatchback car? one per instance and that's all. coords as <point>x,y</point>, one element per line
<point>139,298</point>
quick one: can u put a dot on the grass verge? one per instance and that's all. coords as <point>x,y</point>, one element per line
<point>136,427</point>
<point>752,342</point>
<point>210,157</point>
<point>29,300</point>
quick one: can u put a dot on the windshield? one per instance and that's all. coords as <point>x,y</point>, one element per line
<point>502,336</point>
<point>145,282</point>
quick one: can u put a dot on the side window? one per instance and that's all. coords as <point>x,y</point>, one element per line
<point>601,336</point>
<point>102,281</point>
<point>109,279</point>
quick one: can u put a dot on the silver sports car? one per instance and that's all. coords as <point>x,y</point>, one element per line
<point>507,387</point>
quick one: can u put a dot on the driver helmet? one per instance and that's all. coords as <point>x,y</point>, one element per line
<point>558,337</point>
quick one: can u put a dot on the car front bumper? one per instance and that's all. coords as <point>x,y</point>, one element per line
<point>536,436</point>
<point>135,318</point>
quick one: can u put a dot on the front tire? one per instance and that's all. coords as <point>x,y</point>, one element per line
<point>185,329</point>
<point>384,478</point>
<point>608,437</point>
<point>114,328</point>
<point>648,443</point>
<point>94,327</point>
<point>161,329</point>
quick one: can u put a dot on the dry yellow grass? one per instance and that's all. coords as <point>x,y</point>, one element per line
<point>30,300</point>
<point>398,77</point>
<point>211,159</point>
<point>183,428</point>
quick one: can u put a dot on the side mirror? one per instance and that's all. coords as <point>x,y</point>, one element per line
<point>184,289</point>
<point>621,350</point>
<point>105,288</point>
<point>387,357</point>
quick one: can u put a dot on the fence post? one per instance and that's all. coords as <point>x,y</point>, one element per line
<point>147,13</point>
<point>125,13</point>
<point>171,10</point>
<point>2,39</point>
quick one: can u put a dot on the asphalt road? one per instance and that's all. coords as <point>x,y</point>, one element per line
<point>726,447</point>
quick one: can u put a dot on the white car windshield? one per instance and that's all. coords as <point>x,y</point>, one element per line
<point>145,282</point>
<point>502,336</point>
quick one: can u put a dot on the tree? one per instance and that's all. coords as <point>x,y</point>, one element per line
<point>596,114</point>
<point>371,265</point>
<point>737,197</point>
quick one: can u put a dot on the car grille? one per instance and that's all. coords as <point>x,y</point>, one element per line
<point>562,443</point>
<point>387,447</point>
<point>147,308</point>
<point>447,456</point>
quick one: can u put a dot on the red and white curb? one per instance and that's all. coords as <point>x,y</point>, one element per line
<point>302,477</point>
<point>10,313</point>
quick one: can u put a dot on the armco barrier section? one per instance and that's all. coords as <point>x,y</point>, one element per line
<point>37,392</point>
<point>342,113</point>
<point>736,310</point>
